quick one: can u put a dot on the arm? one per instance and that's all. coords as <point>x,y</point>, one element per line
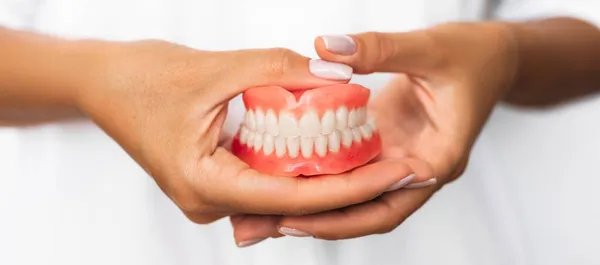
<point>559,60</point>
<point>39,75</point>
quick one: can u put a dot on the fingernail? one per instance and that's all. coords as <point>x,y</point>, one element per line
<point>293,232</point>
<point>403,182</point>
<point>329,70</point>
<point>429,182</point>
<point>248,243</point>
<point>339,44</point>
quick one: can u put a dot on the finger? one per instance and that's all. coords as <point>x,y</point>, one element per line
<point>251,229</point>
<point>295,228</point>
<point>279,67</point>
<point>231,183</point>
<point>410,52</point>
<point>379,216</point>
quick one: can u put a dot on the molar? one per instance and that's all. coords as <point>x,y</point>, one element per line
<point>243,135</point>
<point>371,122</point>
<point>250,140</point>
<point>366,131</point>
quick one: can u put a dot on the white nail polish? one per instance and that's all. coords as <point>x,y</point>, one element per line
<point>293,232</point>
<point>339,44</point>
<point>329,70</point>
<point>429,182</point>
<point>248,243</point>
<point>400,184</point>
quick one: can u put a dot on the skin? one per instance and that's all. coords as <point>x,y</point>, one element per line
<point>439,101</point>
<point>165,105</point>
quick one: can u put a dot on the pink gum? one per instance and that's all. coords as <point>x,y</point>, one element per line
<point>298,102</point>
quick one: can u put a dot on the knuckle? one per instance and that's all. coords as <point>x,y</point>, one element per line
<point>386,227</point>
<point>279,61</point>
<point>375,53</point>
<point>202,219</point>
<point>192,205</point>
<point>380,50</point>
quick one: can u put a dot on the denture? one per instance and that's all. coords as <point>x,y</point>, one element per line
<point>325,130</point>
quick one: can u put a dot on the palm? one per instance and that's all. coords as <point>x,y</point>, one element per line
<point>413,123</point>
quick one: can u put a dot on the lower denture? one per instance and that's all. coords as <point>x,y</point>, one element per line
<point>319,131</point>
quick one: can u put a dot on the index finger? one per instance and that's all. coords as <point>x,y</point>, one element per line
<point>242,189</point>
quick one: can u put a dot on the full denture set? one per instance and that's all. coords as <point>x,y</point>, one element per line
<point>319,131</point>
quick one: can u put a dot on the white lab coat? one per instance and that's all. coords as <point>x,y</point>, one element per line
<point>70,196</point>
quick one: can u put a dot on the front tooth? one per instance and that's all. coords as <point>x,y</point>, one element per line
<point>356,135</point>
<point>371,122</point>
<point>272,127</point>
<point>268,144</point>
<point>250,140</point>
<point>243,135</point>
<point>306,146</point>
<point>334,141</point>
<point>321,145</point>
<point>260,120</point>
<point>280,146</point>
<point>309,124</point>
<point>352,119</point>
<point>366,131</point>
<point>250,121</point>
<point>341,118</point>
<point>288,126</point>
<point>361,116</point>
<point>347,137</point>
<point>293,146</point>
<point>328,122</point>
<point>258,141</point>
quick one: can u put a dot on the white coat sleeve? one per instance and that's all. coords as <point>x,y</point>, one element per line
<point>588,10</point>
<point>18,14</point>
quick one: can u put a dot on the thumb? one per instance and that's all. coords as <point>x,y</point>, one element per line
<point>410,52</point>
<point>281,67</point>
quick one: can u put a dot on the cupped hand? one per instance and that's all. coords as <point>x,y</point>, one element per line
<point>165,104</point>
<point>448,80</point>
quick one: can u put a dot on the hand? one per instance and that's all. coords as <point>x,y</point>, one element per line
<point>449,78</point>
<point>165,105</point>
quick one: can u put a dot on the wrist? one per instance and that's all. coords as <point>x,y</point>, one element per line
<point>88,60</point>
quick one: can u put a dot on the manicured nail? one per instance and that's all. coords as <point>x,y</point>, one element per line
<point>429,182</point>
<point>292,232</point>
<point>400,184</point>
<point>248,243</point>
<point>339,44</point>
<point>329,70</point>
